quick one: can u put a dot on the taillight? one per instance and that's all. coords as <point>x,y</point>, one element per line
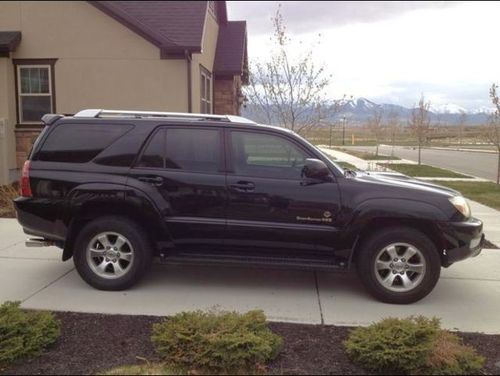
<point>25,180</point>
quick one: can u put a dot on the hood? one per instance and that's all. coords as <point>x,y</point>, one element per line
<point>397,180</point>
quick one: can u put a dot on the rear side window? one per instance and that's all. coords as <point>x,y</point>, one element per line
<point>80,143</point>
<point>197,150</point>
<point>194,149</point>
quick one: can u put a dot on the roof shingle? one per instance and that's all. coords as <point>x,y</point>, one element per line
<point>171,25</point>
<point>9,40</point>
<point>231,56</point>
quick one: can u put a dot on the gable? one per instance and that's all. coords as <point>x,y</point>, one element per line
<point>173,26</point>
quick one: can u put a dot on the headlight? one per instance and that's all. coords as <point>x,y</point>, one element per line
<point>461,205</point>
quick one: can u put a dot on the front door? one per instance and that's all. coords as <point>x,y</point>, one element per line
<point>270,207</point>
<point>183,169</point>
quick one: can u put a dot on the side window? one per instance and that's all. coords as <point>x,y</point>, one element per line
<point>79,143</point>
<point>194,149</point>
<point>154,154</point>
<point>205,91</point>
<point>264,155</point>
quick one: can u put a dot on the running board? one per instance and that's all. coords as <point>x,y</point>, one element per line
<point>332,263</point>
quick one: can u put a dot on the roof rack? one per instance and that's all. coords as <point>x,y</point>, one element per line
<point>100,113</point>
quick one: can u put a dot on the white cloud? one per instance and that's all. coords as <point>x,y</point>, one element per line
<point>444,52</point>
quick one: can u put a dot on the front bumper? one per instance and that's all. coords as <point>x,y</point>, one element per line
<point>462,240</point>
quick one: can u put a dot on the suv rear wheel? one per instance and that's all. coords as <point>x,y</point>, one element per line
<point>398,265</point>
<point>112,253</point>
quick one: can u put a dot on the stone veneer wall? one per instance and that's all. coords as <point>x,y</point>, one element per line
<point>24,141</point>
<point>226,95</point>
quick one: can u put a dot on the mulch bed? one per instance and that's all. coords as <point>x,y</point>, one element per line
<point>92,343</point>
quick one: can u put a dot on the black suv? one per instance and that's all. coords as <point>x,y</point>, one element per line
<point>114,189</point>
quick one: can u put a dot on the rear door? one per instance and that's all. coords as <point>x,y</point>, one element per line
<point>182,168</point>
<point>270,208</point>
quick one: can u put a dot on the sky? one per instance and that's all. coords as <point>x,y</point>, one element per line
<point>389,52</point>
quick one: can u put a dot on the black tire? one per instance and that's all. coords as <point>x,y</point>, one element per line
<point>136,236</point>
<point>367,256</point>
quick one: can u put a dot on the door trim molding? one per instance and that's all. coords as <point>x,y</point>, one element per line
<point>256,224</point>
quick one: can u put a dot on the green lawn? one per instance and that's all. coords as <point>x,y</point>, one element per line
<point>368,156</point>
<point>423,171</point>
<point>486,193</point>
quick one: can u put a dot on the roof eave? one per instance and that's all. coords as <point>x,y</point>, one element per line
<point>12,44</point>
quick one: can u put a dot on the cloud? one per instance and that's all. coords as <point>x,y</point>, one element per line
<point>391,52</point>
<point>407,93</point>
<point>310,16</point>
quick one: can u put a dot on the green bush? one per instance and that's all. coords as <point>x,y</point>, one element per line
<point>409,346</point>
<point>225,342</point>
<point>25,333</point>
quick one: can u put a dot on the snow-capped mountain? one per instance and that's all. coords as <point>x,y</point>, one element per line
<point>359,111</point>
<point>448,108</point>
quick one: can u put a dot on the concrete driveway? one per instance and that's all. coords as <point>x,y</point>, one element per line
<point>467,297</point>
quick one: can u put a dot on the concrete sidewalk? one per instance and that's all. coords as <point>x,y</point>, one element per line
<point>466,297</point>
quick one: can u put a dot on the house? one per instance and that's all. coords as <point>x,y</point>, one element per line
<point>64,56</point>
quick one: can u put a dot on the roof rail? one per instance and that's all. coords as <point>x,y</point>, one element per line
<point>100,113</point>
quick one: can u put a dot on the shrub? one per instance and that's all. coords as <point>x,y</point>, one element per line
<point>25,333</point>
<point>225,342</point>
<point>413,345</point>
<point>7,194</point>
<point>451,357</point>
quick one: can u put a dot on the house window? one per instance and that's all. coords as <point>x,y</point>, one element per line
<point>206,91</point>
<point>35,91</point>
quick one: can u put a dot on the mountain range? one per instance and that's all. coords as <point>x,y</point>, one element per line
<point>359,111</point>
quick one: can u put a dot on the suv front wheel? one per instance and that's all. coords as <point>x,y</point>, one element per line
<point>398,265</point>
<point>112,253</point>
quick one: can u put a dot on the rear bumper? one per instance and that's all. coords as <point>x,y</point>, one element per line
<point>463,240</point>
<point>40,217</point>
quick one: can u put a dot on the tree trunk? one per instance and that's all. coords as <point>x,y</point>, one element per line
<point>419,153</point>
<point>376,150</point>
<point>393,142</point>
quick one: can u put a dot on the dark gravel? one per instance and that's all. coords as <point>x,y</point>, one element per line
<point>92,343</point>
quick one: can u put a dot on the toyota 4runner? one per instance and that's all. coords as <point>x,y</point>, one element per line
<point>114,189</point>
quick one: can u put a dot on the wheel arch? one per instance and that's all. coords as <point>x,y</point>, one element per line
<point>137,209</point>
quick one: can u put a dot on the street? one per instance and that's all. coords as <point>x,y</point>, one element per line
<point>482,165</point>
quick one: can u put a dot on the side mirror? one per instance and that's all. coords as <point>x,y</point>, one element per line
<point>316,169</point>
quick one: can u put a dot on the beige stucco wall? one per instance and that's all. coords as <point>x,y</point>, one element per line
<point>7,120</point>
<point>206,58</point>
<point>101,63</point>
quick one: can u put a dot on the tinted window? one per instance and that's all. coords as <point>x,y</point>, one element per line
<point>153,155</point>
<point>193,149</point>
<point>79,143</point>
<point>264,155</point>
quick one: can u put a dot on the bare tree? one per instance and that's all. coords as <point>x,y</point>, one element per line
<point>492,130</point>
<point>393,123</point>
<point>375,126</point>
<point>462,121</point>
<point>420,124</point>
<point>285,91</point>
